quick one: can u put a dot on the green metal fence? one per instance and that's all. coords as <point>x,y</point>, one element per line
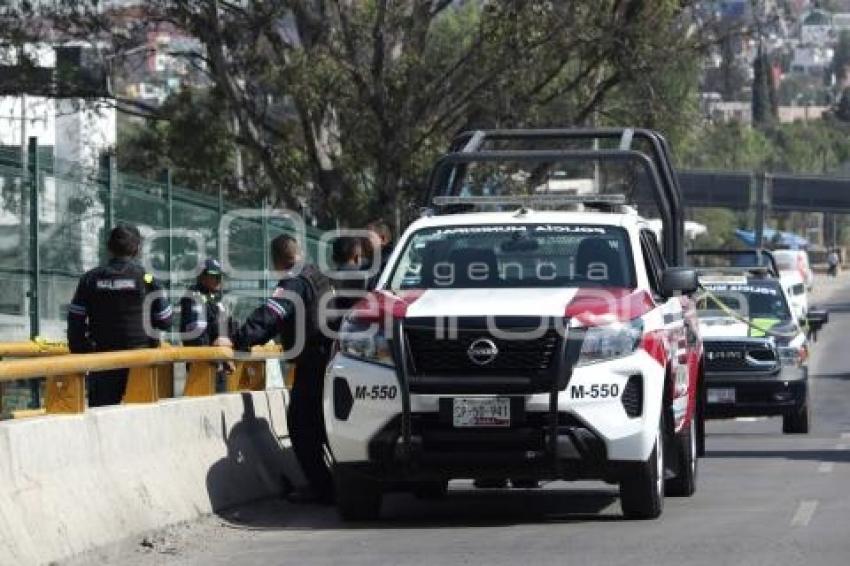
<point>54,217</point>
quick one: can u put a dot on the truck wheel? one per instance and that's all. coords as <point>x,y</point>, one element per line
<point>798,421</point>
<point>642,492</point>
<point>431,489</point>
<point>358,498</point>
<point>685,483</point>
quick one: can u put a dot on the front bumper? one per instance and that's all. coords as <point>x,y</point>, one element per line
<point>756,396</point>
<point>596,438</point>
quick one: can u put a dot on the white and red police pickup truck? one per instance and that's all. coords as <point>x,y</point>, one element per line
<point>509,340</point>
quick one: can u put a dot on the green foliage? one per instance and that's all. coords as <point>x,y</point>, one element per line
<point>819,146</point>
<point>191,137</point>
<point>809,147</point>
<point>721,225</point>
<point>732,146</point>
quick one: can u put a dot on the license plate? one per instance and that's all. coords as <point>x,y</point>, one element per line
<point>725,395</point>
<point>490,412</point>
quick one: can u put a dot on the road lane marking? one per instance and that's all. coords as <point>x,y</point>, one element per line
<point>825,467</point>
<point>841,447</point>
<point>805,512</point>
<point>845,435</point>
<point>749,419</point>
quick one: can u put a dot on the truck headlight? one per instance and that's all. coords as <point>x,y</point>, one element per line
<point>794,356</point>
<point>365,341</point>
<point>609,342</point>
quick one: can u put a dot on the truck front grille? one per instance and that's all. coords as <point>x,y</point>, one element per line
<point>519,356</point>
<point>724,356</point>
<point>431,355</point>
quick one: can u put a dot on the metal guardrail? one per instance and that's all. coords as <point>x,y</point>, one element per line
<point>33,348</point>
<point>151,371</point>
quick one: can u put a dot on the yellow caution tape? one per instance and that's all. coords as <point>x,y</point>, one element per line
<point>733,314</point>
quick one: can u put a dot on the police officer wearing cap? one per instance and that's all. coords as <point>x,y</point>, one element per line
<point>203,314</point>
<point>107,312</point>
<point>279,316</point>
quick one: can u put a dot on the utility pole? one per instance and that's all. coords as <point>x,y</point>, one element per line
<point>33,247</point>
<point>24,162</point>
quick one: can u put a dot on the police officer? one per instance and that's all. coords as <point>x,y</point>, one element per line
<point>107,312</point>
<point>351,281</point>
<point>203,314</point>
<point>380,240</point>
<point>279,316</point>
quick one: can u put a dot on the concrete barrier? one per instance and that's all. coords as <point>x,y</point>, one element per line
<point>69,484</point>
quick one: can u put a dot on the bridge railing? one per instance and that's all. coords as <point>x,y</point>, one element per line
<point>151,371</point>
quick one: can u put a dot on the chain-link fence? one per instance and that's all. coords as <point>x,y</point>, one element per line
<point>65,211</point>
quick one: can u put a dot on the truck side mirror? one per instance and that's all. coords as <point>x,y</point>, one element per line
<point>682,280</point>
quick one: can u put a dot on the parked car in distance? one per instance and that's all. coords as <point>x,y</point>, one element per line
<point>795,261</point>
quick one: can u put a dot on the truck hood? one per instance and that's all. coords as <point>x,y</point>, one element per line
<point>495,302</point>
<point>722,327</point>
<point>588,305</point>
<point>727,327</point>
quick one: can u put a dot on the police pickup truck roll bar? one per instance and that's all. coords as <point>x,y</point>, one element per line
<point>471,147</point>
<point>762,261</point>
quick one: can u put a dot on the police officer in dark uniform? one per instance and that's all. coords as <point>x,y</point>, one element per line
<point>203,314</point>
<point>107,312</point>
<point>379,246</point>
<point>278,317</point>
<point>351,281</point>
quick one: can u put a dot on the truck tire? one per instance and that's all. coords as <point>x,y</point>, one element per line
<point>358,498</point>
<point>642,491</point>
<point>685,482</point>
<point>798,421</point>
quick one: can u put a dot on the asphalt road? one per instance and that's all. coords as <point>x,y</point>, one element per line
<point>763,498</point>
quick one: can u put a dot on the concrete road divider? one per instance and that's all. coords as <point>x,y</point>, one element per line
<point>72,483</point>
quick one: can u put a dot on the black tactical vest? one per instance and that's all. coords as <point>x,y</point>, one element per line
<point>318,288</point>
<point>116,312</point>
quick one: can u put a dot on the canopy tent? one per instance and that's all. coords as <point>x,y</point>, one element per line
<point>774,237</point>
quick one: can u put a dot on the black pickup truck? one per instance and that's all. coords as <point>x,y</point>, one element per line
<point>756,350</point>
<point>747,376</point>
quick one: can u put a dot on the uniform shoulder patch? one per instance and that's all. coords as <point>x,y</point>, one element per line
<point>148,278</point>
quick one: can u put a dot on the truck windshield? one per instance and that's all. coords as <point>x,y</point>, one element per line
<point>764,301</point>
<point>515,256</point>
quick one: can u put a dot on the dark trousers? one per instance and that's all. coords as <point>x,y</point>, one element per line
<point>106,387</point>
<point>306,423</point>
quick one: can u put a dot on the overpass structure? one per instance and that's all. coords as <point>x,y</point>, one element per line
<point>739,190</point>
